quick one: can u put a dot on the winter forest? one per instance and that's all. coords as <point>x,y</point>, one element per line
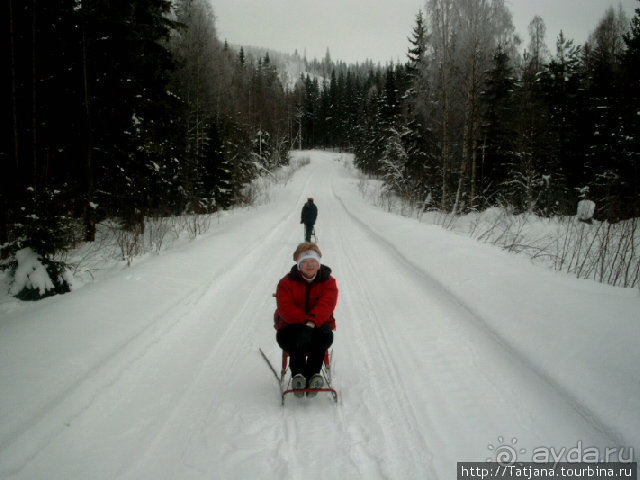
<point>120,111</point>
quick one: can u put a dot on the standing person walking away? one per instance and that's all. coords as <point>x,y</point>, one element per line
<point>307,297</point>
<point>308,217</point>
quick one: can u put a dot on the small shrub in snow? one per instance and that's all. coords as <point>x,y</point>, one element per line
<point>37,242</point>
<point>35,278</point>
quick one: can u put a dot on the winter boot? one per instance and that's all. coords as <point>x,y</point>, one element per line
<point>299,382</point>
<point>316,382</point>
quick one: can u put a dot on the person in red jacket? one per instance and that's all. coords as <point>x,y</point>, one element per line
<point>306,298</point>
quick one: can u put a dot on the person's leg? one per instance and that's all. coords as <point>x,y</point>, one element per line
<point>289,340</point>
<point>307,232</point>
<point>321,340</point>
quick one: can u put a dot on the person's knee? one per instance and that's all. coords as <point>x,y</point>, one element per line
<point>287,337</point>
<point>322,339</point>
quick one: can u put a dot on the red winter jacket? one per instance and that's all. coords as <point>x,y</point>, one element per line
<point>300,301</point>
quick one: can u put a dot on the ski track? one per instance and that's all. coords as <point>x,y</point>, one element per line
<point>379,362</point>
<point>211,408</point>
<point>108,374</point>
<point>227,360</point>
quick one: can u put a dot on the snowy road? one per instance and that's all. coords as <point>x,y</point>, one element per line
<point>154,373</point>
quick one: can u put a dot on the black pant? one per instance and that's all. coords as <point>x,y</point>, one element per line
<point>306,347</point>
<point>308,230</point>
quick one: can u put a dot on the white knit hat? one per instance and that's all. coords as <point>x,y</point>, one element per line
<point>307,255</point>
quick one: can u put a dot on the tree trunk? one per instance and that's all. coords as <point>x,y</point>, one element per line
<point>14,93</point>
<point>445,153</point>
<point>34,97</point>
<point>473,129</point>
<point>474,175</point>
<point>4,206</point>
<point>89,211</point>
<point>4,222</point>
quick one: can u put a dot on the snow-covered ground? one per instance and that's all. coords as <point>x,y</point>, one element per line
<point>447,350</point>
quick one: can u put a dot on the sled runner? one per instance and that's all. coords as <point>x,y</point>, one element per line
<point>284,380</point>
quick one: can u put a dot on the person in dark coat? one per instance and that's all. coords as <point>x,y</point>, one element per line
<point>308,217</point>
<point>306,298</point>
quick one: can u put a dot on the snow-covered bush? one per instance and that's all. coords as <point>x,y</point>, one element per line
<point>586,209</point>
<point>38,241</point>
<point>35,277</point>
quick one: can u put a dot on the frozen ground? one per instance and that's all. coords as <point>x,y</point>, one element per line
<point>447,350</point>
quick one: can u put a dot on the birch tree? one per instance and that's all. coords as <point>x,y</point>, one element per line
<point>463,37</point>
<point>442,17</point>
<point>538,51</point>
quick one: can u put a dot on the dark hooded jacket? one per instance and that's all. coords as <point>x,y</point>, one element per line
<point>309,213</point>
<point>300,301</point>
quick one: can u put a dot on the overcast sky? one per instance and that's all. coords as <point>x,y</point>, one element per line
<point>355,30</point>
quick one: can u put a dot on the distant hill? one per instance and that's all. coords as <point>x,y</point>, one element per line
<point>289,66</point>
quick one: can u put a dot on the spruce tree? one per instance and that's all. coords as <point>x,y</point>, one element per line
<point>562,84</point>
<point>604,104</point>
<point>498,135</point>
<point>422,164</point>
